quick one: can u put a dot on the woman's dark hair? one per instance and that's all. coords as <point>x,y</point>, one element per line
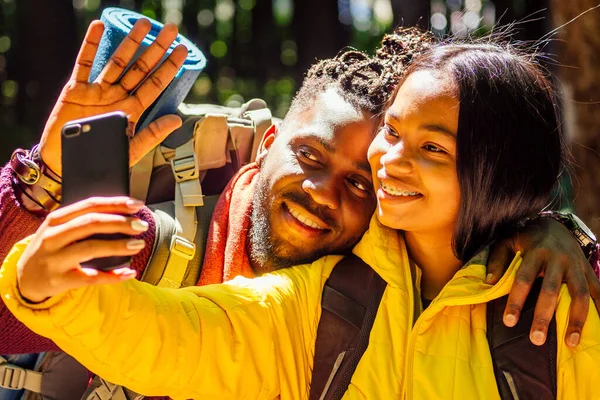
<point>510,149</point>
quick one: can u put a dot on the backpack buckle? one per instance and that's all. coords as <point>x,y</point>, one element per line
<point>185,168</point>
<point>182,247</point>
<point>12,377</point>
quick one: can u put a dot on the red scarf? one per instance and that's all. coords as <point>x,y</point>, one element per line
<point>226,256</point>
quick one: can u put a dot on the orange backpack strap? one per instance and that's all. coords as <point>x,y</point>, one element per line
<point>351,297</point>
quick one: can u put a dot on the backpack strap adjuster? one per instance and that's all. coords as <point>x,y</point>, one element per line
<point>187,174</point>
<point>12,377</point>
<point>182,247</point>
<point>16,378</point>
<point>185,168</point>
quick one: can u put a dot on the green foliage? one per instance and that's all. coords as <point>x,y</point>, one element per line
<point>254,48</point>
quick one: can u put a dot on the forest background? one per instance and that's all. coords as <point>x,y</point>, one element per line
<point>262,48</point>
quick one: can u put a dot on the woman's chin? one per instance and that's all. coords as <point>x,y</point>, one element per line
<point>390,221</point>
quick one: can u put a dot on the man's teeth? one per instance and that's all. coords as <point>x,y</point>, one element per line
<point>304,219</point>
<point>394,191</point>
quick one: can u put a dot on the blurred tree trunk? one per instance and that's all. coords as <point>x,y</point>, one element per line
<point>578,50</point>
<point>318,31</point>
<point>262,50</point>
<point>48,42</point>
<point>532,11</point>
<point>411,13</point>
<point>505,12</point>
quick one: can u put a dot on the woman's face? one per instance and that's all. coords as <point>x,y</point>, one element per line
<point>413,157</point>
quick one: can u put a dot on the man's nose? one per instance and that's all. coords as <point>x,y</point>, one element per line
<point>323,191</point>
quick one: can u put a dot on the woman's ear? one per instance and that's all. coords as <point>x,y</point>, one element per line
<point>265,143</point>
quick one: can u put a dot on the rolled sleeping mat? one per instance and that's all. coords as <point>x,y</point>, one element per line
<point>117,24</point>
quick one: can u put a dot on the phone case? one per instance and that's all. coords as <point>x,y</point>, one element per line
<point>95,162</point>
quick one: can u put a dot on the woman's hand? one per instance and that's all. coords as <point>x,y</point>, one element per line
<point>551,251</point>
<point>111,92</point>
<point>51,264</point>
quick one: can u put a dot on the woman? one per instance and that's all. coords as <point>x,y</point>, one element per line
<point>473,132</point>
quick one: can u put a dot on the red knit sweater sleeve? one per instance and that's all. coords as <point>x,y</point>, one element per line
<point>17,223</point>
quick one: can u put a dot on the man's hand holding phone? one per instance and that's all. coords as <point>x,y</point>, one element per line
<point>52,263</point>
<point>113,92</point>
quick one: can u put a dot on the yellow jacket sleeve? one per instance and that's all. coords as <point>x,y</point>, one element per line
<point>578,369</point>
<point>237,340</point>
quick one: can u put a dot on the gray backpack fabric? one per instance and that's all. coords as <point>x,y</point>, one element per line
<point>53,376</point>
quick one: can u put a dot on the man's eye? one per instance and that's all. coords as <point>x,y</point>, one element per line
<point>359,185</point>
<point>387,131</point>
<point>308,155</point>
<point>433,148</point>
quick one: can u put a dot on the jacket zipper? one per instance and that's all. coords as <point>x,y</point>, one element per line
<point>435,306</point>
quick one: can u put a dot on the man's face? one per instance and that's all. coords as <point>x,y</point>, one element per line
<point>314,195</point>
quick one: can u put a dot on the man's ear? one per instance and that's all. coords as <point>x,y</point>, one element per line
<point>265,143</point>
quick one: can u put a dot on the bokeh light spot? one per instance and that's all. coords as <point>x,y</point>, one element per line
<point>205,18</point>
<point>4,44</point>
<point>218,48</point>
<point>10,89</point>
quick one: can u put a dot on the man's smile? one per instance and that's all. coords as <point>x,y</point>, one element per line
<point>302,221</point>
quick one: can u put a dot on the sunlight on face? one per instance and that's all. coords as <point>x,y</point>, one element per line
<point>315,195</point>
<point>413,157</point>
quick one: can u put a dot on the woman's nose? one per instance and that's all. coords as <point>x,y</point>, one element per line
<point>398,159</point>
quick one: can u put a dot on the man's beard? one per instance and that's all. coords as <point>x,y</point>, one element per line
<point>267,252</point>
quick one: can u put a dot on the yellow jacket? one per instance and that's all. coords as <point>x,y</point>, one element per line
<point>254,339</point>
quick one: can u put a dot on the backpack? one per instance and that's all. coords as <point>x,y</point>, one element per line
<point>48,375</point>
<point>192,166</point>
<point>350,300</point>
<point>181,180</point>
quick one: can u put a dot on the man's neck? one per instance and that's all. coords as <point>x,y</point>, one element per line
<point>432,252</point>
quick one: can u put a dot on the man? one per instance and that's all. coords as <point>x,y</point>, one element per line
<point>309,193</point>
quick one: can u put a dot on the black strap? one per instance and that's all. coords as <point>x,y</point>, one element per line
<point>351,297</point>
<point>523,370</point>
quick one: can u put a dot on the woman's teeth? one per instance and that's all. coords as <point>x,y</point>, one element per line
<point>394,191</point>
<point>304,219</point>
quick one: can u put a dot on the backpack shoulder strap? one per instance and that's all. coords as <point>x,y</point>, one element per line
<point>522,369</point>
<point>351,297</point>
<point>159,267</point>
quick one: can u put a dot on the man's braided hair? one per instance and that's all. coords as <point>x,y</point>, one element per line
<point>366,82</point>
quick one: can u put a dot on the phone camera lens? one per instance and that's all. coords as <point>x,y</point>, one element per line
<point>72,130</point>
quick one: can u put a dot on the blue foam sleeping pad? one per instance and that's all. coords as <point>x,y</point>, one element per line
<point>117,24</point>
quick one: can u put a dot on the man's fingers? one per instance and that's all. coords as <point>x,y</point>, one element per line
<point>545,305</point>
<point>151,136</point>
<point>524,278</point>
<point>499,260</point>
<point>150,58</point>
<point>124,53</point>
<point>89,47</point>
<point>87,225</point>
<point>107,205</point>
<point>580,305</point>
<point>160,79</point>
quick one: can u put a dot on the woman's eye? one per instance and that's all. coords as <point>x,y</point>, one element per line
<point>308,155</point>
<point>433,148</point>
